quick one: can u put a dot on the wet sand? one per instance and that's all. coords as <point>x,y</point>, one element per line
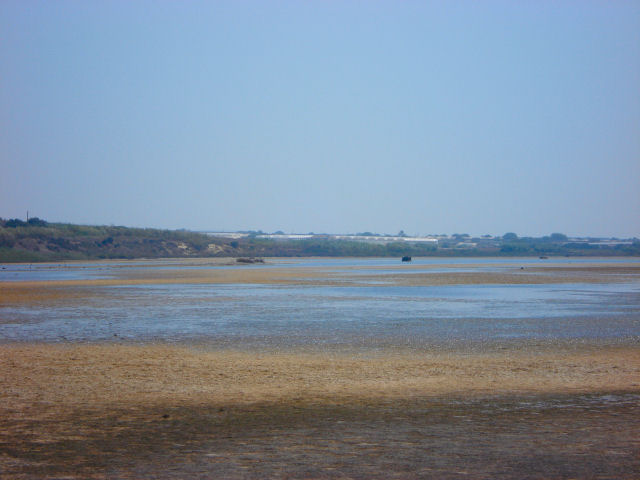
<point>158,411</point>
<point>544,409</point>
<point>160,273</point>
<point>109,374</point>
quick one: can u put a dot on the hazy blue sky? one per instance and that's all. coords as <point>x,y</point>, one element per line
<point>432,117</point>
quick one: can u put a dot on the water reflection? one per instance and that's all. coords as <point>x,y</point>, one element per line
<point>291,315</point>
<point>346,266</point>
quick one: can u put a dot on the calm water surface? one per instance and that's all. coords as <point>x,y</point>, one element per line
<point>276,315</point>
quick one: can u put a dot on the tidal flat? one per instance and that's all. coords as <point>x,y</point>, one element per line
<point>321,368</point>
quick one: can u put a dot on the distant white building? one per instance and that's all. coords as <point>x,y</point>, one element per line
<point>354,238</point>
<point>232,235</point>
<point>284,236</point>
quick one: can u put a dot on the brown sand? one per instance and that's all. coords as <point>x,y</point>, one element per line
<point>104,375</point>
<point>47,291</point>
<point>155,411</point>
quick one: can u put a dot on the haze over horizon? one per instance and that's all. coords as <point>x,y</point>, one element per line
<point>336,117</point>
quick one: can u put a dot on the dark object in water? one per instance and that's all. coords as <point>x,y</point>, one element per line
<point>249,260</point>
<point>406,258</point>
<point>543,258</point>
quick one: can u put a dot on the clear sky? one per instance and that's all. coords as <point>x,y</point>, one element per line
<point>323,116</point>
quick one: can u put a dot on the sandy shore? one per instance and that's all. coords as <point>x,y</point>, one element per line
<point>157,411</point>
<point>105,375</point>
<point>160,273</point>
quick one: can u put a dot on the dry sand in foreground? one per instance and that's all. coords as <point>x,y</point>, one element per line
<point>114,373</point>
<point>122,411</point>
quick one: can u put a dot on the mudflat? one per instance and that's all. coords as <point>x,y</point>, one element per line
<point>125,411</point>
<point>510,409</point>
<point>187,272</point>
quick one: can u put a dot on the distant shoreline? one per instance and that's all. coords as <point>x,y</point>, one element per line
<point>40,241</point>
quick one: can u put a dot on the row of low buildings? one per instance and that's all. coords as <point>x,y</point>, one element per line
<point>440,241</point>
<point>355,238</point>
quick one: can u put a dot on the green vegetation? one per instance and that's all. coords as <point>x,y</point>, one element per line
<point>22,242</point>
<point>327,247</point>
<point>37,240</point>
<point>556,244</point>
<point>41,241</point>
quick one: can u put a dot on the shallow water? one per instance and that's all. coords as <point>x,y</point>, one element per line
<point>349,266</point>
<point>283,315</point>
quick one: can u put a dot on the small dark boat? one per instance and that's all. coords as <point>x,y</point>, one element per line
<point>543,258</point>
<point>406,258</point>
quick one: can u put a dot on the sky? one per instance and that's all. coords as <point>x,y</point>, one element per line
<point>323,116</point>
